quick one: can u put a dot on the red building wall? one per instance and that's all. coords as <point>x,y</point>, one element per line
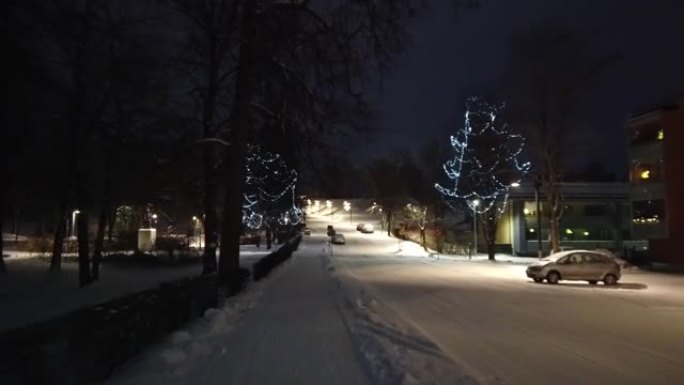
<point>673,124</point>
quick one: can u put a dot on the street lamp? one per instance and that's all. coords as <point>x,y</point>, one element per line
<point>347,207</point>
<point>475,203</point>
<point>154,220</point>
<point>73,222</point>
<point>197,231</point>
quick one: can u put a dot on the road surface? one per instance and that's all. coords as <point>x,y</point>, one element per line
<point>505,329</point>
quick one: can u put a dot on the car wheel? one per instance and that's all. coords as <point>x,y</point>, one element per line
<point>593,282</point>
<point>553,277</point>
<point>538,280</point>
<point>610,280</point>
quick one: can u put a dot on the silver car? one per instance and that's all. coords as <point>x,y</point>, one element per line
<point>578,265</point>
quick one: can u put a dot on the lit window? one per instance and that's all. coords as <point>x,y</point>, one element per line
<point>646,174</point>
<point>661,134</point>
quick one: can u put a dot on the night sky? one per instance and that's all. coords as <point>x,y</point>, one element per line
<point>452,56</point>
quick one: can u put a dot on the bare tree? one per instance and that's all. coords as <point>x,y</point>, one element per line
<point>207,57</point>
<point>418,213</point>
<point>551,68</point>
<point>321,52</point>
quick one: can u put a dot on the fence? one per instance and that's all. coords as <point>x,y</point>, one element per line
<point>86,345</point>
<point>266,264</point>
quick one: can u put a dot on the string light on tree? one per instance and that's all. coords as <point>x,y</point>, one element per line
<point>484,167</point>
<point>269,179</point>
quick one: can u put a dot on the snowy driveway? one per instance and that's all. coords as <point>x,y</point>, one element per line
<point>505,329</point>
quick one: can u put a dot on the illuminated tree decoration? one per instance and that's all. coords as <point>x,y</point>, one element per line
<point>269,180</point>
<point>486,162</point>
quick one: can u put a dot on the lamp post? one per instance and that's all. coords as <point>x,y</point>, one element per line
<point>537,185</point>
<point>347,207</point>
<point>73,222</point>
<point>475,203</point>
<point>197,231</point>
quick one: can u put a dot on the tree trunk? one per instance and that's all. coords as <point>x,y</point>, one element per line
<point>423,242</point>
<point>554,200</point>
<point>210,217</point>
<point>209,158</point>
<point>555,212</point>
<point>58,240</point>
<point>99,240</point>
<point>83,252</point>
<point>554,228</point>
<point>102,219</point>
<point>489,224</point>
<point>15,225</point>
<point>229,258</point>
<point>389,223</point>
<point>111,221</point>
<point>269,238</point>
<point>210,233</point>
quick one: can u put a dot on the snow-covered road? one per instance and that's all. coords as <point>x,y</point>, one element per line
<point>385,312</point>
<point>505,329</point>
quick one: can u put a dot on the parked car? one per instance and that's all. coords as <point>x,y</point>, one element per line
<point>577,265</point>
<point>338,239</point>
<point>623,263</point>
<point>360,226</point>
<point>367,228</point>
<point>306,231</point>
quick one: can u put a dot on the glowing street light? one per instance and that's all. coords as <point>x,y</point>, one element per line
<point>197,230</point>
<point>475,203</point>
<point>73,222</point>
<point>515,184</point>
<point>347,207</point>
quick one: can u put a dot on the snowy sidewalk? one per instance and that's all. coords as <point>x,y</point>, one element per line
<point>295,335</point>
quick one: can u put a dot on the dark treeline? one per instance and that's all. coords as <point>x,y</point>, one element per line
<point>152,104</point>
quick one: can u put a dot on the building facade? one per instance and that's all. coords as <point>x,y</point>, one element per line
<point>656,172</point>
<point>595,215</point>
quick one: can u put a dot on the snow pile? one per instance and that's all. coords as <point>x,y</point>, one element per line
<point>187,349</point>
<point>393,351</point>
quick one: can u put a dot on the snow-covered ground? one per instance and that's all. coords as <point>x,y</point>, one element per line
<point>384,312</point>
<point>29,294</point>
<point>505,329</point>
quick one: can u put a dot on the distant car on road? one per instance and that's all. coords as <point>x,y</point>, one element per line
<point>338,239</point>
<point>367,228</point>
<point>576,265</point>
